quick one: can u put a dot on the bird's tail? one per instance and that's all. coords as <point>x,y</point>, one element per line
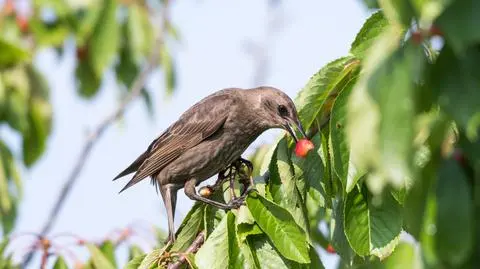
<point>134,166</point>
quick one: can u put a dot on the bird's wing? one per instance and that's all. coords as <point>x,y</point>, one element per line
<point>196,124</point>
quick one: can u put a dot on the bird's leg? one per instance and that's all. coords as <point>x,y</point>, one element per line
<point>192,194</point>
<point>232,182</point>
<point>169,195</point>
<point>247,185</point>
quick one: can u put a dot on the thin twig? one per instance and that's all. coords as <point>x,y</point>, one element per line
<point>134,92</point>
<point>193,248</point>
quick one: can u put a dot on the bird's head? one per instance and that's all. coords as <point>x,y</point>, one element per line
<point>276,110</point>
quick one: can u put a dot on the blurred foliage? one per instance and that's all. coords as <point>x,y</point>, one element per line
<point>399,154</point>
<point>107,34</point>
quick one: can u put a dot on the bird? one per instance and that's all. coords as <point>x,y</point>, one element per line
<point>207,138</point>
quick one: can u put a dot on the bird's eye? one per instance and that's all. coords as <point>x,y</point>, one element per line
<point>282,110</point>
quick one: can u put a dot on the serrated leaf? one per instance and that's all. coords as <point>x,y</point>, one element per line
<point>152,258</point>
<point>368,34</point>
<point>221,250</point>
<point>98,258</point>
<point>104,41</point>
<point>342,165</point>
<point>317,93</point>
<point>372,225</point>
<point>265,255</point>
<point>189,228</point>
<point>60,263</point>
<point>280,227</point>
<point>337,232</point>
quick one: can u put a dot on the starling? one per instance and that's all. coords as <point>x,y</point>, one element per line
<point>208,138</point>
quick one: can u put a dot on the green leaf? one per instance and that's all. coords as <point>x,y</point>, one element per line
<point>98,258</point>
<point>455,220</point>
<point>316,95</point>
<point>34,141</point>
<point>88,81</point>
<point>134,251</point>
<point>428,10</point>
<point>152,258</point>
<point>370,31</point>
<point>454,80</point>
<point>11,54</point>
<point>221,250</point>
<point>372,224</point>
<point>280,227</point>
<point>135,262</point>
<point>337,232</point>
<point>108,249</point>
<point>340,150</point>
<point>266,255</point>
<point>104,41</point>
<point>459,24</point>
<point>189,228</point>
<point>5,203</point>
<point>404,256</point>
<point>398,11</point>
<point>60,264</point>
<point>168,70</point>
<point>381,134</point>
<point>139,32</point>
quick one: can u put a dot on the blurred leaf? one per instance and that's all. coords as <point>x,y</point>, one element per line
<point>398,11</point>
<point>404,256</point>
<point>87,22</point>
<point>139,33</point>
<point>172,30</point>
<point>428,10</point>
<point>373,4</point>
<point>314,96</point>
<point>49,34</point>
<point>60,263</point>
<point>168,66</point>
<point>103,45</point>
<point>372,225</point>
<point>134,251</point>
<point>189,228</point>
<point>99,260</point>
<point>459,23</point>
<point>11,54</point>
<point>88,82</point>
<point>455,81</point>
<point>34,140</point>
<point>454,222</point>
<point>135,262</point>
<point>280,227</point>
<point>370,31</point>
<point>108,249</point>
<point>221,250</point>
<point>5,203</point>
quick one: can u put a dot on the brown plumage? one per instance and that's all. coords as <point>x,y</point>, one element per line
<point>207,138</point>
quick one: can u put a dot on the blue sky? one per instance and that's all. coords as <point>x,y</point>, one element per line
<point>210,57</point>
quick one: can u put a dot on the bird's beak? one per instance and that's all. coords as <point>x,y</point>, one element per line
<point>290,129</point>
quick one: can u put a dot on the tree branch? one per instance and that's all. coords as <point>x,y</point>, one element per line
<point>193,248</point>
<point>134,93</point>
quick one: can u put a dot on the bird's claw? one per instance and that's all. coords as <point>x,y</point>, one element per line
<point>236,203</point>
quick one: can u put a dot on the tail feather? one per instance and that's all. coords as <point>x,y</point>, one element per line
<point>134,166</point>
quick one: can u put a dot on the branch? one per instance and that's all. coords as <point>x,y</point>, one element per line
<point>193,248</point>
<point>134,92</point>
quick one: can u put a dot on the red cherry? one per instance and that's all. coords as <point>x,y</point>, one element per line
<point>302,147</point>
<point>330,249</point>
<point>22,23</point>
<point>417,38</point>
<point>434,30</point>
